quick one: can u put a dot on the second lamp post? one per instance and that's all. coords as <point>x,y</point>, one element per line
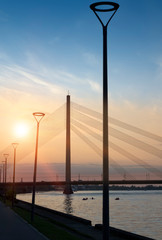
<point>13,186</point>
<point>38,117</point>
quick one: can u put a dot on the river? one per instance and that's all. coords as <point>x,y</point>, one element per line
<point>136,211</point>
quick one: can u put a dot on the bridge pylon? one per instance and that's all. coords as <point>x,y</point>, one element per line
<point>68,189</point>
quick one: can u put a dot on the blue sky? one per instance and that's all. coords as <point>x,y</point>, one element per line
<point>50,47</point>
<point>60,42</point>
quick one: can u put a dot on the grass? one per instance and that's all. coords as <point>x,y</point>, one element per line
<point>46,227</point>
<point>43,225</point>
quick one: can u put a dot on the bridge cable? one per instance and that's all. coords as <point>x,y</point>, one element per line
<point>120,135</point>
<point>114,164</point>
<point>130,156</point>
<point>116,122</point>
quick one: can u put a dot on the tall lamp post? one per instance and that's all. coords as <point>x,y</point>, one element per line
<point>4,187</point>
<point>0,173</point>
<point>3,171</point>
<point>38,117</point>
<point>5,174</point>
<point>5,162</point>
<point>15,145</point>
<point>97,8</point>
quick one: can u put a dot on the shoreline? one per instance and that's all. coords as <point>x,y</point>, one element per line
<point>77,224</point>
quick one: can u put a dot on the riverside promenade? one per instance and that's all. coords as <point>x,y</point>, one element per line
<point>13,227</point>
<point>81,227</point>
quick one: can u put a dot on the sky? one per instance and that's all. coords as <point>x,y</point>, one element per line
<point>50,47</point>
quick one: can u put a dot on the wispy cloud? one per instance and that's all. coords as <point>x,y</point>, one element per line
<point>35,79</point>
<point>39,79</point>
<point>94,86</point>
<point>24,77</point>
<point>57,74</point>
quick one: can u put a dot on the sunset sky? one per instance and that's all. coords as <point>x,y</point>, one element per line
<point>50,47</point>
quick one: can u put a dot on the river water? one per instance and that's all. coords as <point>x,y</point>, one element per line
<point>136,211</point>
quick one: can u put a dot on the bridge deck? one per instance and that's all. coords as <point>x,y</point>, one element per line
<point>111,182</point>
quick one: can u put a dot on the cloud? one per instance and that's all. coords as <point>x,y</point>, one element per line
<point>23,77</point>
<point>58,74</point>
<point>39,81</point>
<point>95,86</point>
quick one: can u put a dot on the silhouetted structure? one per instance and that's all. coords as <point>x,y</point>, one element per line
<point>68,189</point>
<point>38,117</point>
<point>3,171</point>
<point>14,165</point>
<point>5,162</point>
<point>111,7</point>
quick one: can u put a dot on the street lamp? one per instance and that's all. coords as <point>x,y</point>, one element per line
<point>5,175</point>
<point>5,162</point>
<point>3,171</point>
<point>38,117</point>
<point>13,186</point>
<point>4,187</point>
<point>0,173</point>
<point>112,8</point>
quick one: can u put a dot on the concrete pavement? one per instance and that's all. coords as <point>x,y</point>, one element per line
<point>13,227</point>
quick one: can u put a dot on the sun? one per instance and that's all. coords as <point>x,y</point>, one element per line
<point>21,130</point>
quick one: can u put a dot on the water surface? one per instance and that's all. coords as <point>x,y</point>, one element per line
<point>136,211</point>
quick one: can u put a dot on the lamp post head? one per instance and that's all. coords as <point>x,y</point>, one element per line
<point>104,7</point>
<point>112,6</point>
<point>15,145</point>
<point>38,116</point>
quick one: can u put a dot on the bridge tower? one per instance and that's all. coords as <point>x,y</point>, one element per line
<point>68,189</point>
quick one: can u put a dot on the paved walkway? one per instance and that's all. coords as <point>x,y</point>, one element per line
<point>13,227</point>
